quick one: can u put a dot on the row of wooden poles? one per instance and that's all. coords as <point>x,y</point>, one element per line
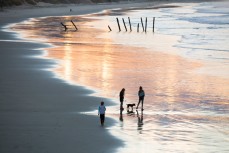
<point>144,27</point>
<point>66,28</point>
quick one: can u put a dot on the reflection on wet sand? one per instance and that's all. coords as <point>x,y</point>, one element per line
<point>139,118</point>
<point>179,103</point>
<point>121,116</point>
<point>140,121</point>
<point>107,67</point>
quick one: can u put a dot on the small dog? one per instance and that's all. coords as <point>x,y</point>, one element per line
<point>130,105</point>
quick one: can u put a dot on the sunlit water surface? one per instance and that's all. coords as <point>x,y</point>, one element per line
<point>183,67</point>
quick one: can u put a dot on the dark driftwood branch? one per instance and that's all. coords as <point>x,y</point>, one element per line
<point>109,28</point>
<point>142,24</point>
<point>124,24</point>
<point>138,28</point>
<point>153,23</point>
<point>118,24</point>
<point>74,25</point>
<point>65,27</point>
<point>144,27</point>
<point>130,23</point>
<point>146,24</point>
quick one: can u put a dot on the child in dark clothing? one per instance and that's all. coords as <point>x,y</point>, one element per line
<point>101,112</point>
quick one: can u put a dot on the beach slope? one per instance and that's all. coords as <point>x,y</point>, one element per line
<point>40,113</point>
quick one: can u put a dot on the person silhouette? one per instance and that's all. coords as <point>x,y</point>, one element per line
<point>101,112</point>
<point>121,97</point>
<point>141,95</point>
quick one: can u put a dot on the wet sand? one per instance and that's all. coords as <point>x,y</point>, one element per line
<point>40,113</point>
<point>101,65</point>
<point>90,57</point>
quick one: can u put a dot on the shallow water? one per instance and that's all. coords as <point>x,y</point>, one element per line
<point>181,67</point>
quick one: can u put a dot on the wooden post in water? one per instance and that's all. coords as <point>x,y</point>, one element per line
<point>146,24</point>
<point>138,28</point>
<point>142,24</point>
<point>153,23</point>
<point>118,25</point>
<point>65,27</point>
<point>124,23</point>
<point>74,25</point>
<point>109,28</point>
<point>130,23</point>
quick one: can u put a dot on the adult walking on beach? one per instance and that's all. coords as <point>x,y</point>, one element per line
<point>141,95</point>
<point>121,96</point>
<point>101,112</point>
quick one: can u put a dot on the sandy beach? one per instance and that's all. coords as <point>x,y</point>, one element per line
<point>46,86</point>
<point>39,113</point>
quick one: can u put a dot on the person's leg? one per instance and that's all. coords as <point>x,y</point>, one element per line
<point>121,105</point>
<point>138,103</point>
<point>142,103</point>
<point>102,119</point>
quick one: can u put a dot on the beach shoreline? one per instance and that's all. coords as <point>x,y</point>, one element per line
<point>45,113</point>
<point>40,113</point>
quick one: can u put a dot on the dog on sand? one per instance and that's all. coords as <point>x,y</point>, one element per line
<point>130,106</point>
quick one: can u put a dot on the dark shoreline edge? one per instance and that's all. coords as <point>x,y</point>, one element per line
<point>40,113</point>
<point>32,121</point>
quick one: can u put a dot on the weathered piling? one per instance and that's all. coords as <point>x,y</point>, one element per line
<point>153,23</point>
<point>138,28</point>
<point>146,24</point>
<point>74,25</point>
<point>142,24</point>
<point>118,25</point>
<point>109,28</point>
<point>130,23</point>
<point>65,27</point>
<point>124,23</point>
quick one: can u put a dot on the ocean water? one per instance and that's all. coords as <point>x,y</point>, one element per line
<point>182,113</point>
<point>200,29</point>
<point>183,67</point>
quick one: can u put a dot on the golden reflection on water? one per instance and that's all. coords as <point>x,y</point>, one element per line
<point>67,53</point>
<point>98,63</point>
<point>178,101</point>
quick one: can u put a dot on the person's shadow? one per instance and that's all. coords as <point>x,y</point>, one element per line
<point>140,121</point>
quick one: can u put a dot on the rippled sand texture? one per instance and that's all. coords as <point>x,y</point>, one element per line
<point>184,111</point>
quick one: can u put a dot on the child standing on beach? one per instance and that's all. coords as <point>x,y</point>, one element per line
<point>101,112</point>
